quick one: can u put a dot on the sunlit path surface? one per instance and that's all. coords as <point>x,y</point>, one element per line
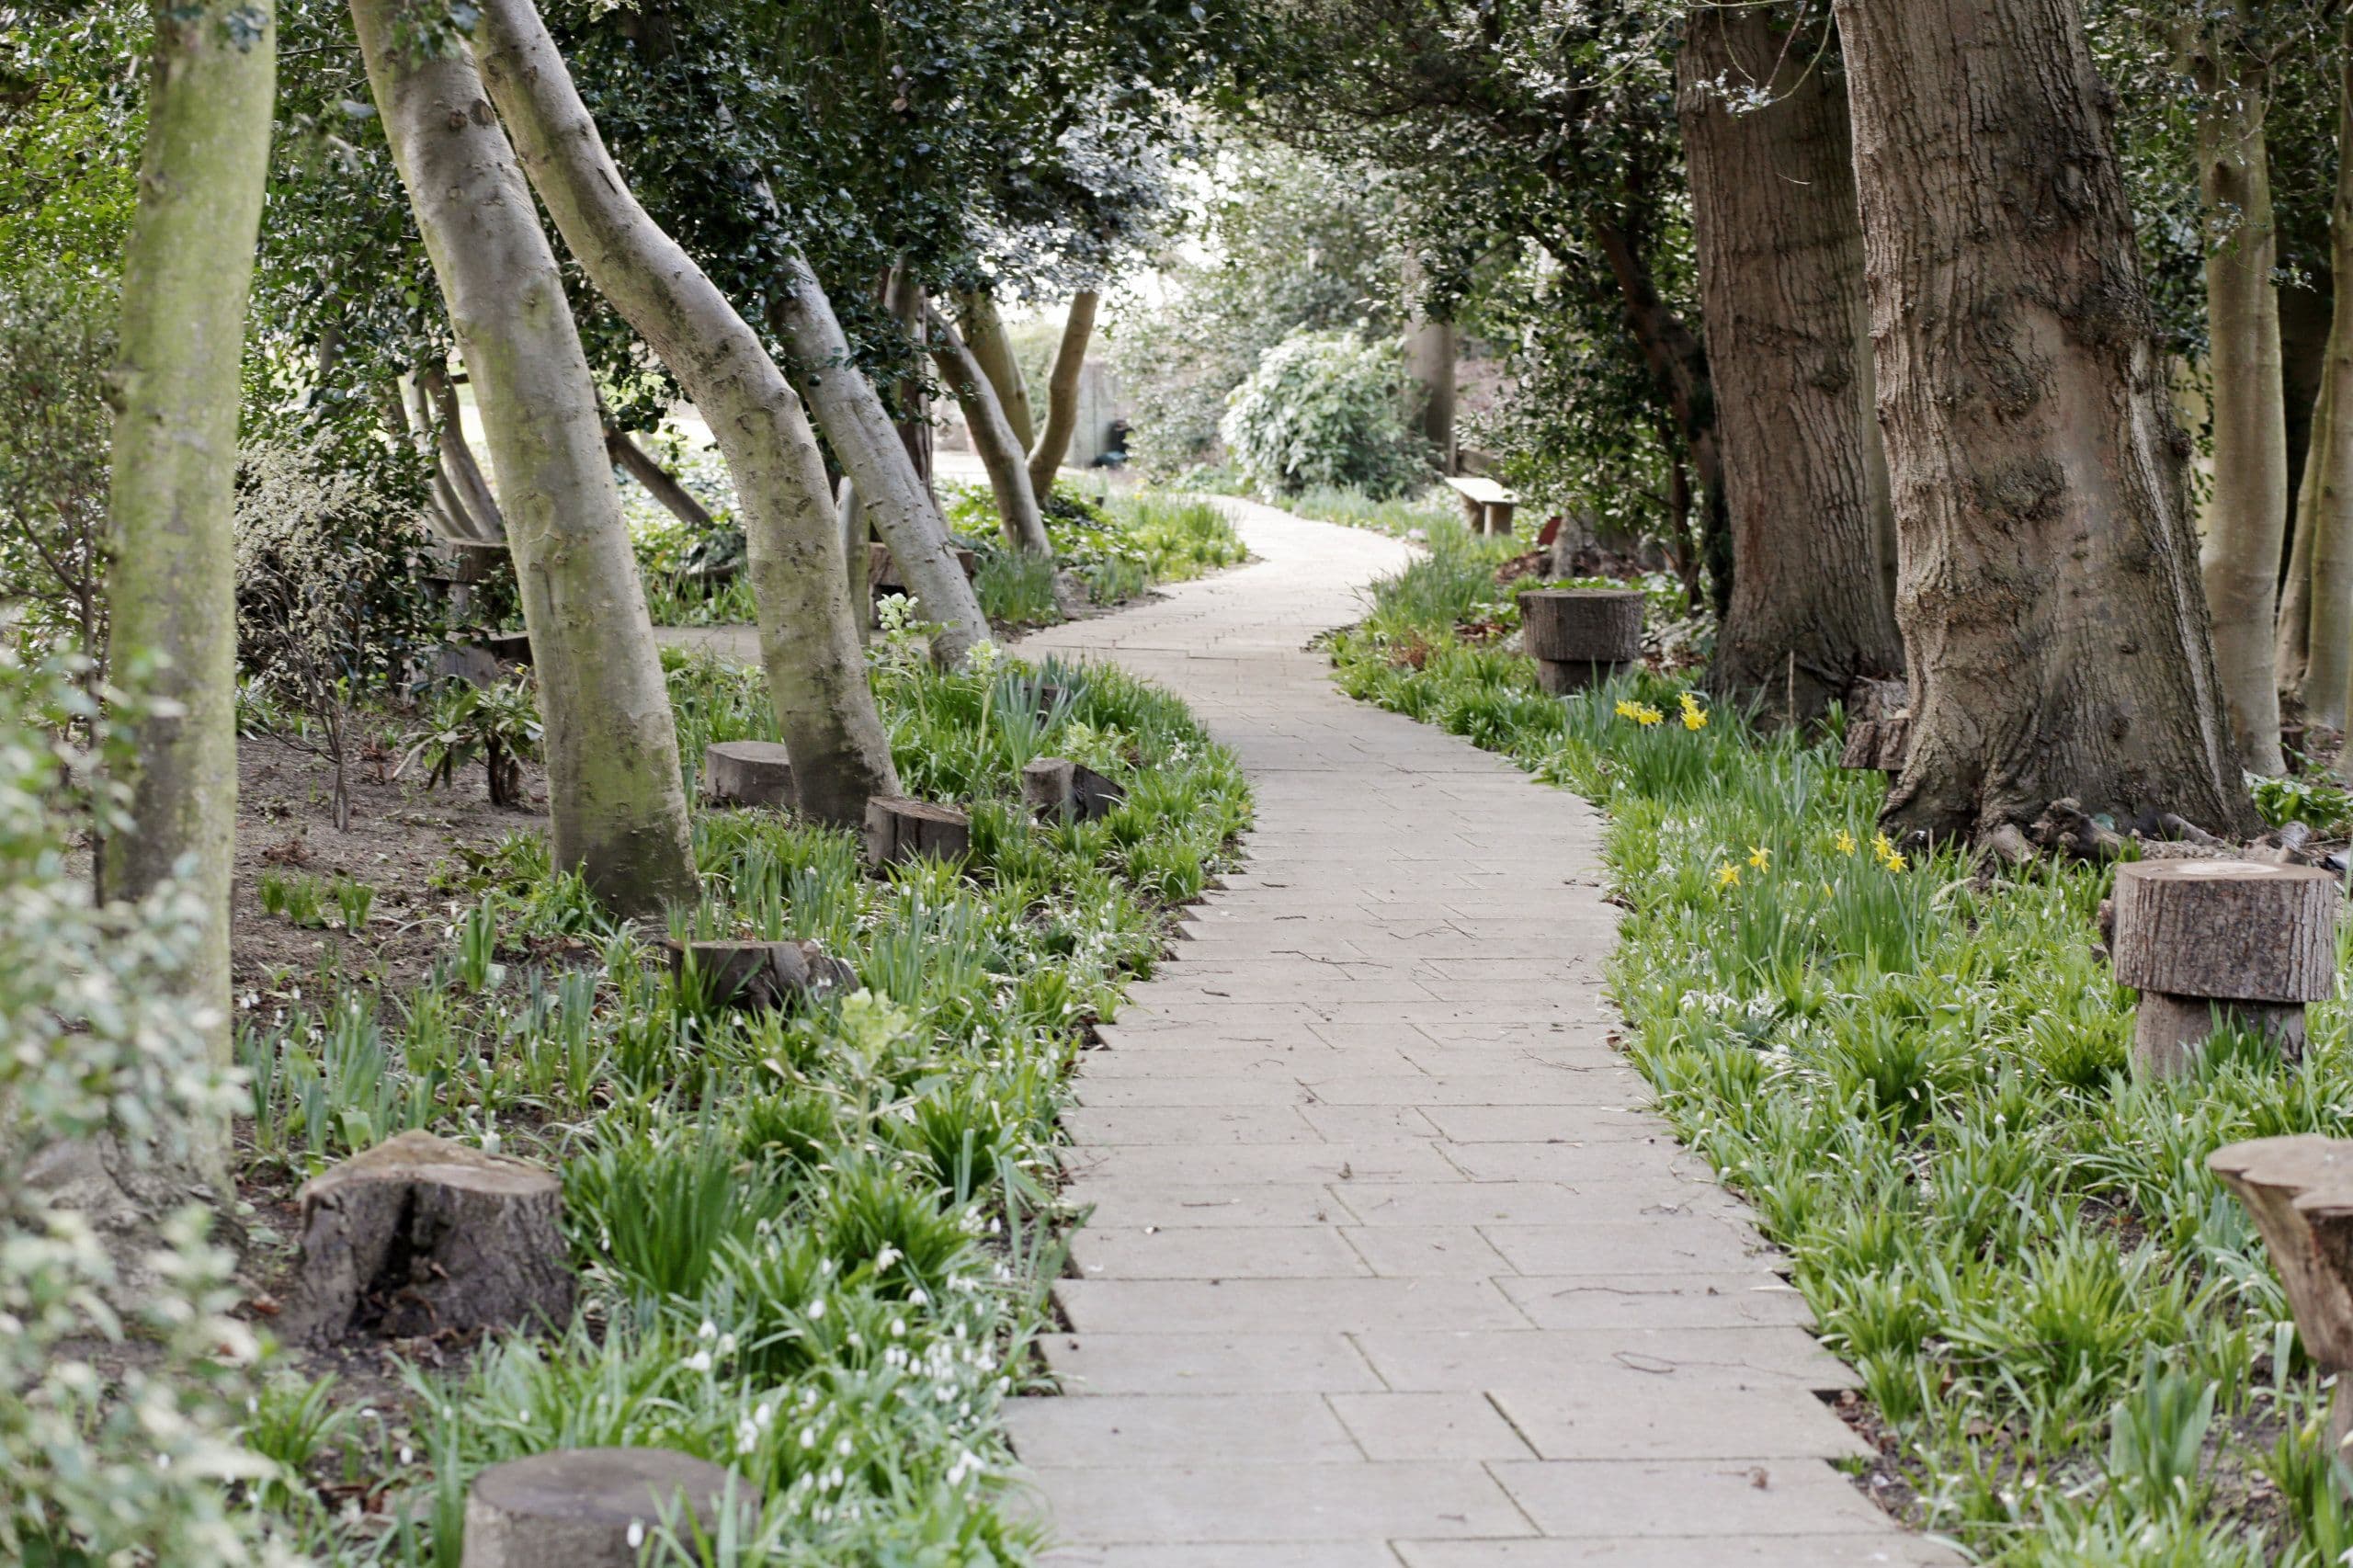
<point>1388,1264</point>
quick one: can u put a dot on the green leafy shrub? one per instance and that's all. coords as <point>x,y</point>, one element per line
<point>1326,408</point>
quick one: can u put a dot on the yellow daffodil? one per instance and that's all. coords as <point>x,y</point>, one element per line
<point>1845,841</point>
<point>1645,715</point>
<point>1727,875</point>
<point>1759,857</point>
<point>1626,708</point>
<point>1896,862</point>
<point>1888,855</point>
<point>1695,717</point>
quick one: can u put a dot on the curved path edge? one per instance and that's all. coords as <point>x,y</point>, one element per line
<point>1389,1264</point>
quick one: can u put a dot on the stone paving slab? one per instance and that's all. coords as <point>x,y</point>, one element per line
<point>1389,1262</point>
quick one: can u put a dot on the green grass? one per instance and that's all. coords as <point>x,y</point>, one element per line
<point>1917,1076</point>
<point>816,1243</point>
<point>1432,510</point>
<point>1117,545</point>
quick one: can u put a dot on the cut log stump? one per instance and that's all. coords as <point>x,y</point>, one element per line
<point>1581,637</point>
<point>2248,941</point>
<point>1056,787</point>
<point>901,829</point>
<point>595,1507</point>
<point>2300,1193</point>
<point>755,976</point>
<point>1878,746</point>
<point>747,773</point>
<point>419,1235</point>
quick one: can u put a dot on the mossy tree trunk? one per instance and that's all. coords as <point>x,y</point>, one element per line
<point>1061,392</point>
<point>984,333</point>
<point>171,585</point>
<point>810,644</point>
<point>1780,247</point>
<point>2324,500</point>
<point>2051,604</point>
<point>2246,525</point>
<point>614,792</point>
<point>993,439</point>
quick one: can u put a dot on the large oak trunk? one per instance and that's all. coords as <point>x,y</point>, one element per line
<point>170,502</point>
<point>2247,523</point>
<point>810,646</point>
<point>1780,248</point>
<point>617,805</point>
<point>2052,612</point>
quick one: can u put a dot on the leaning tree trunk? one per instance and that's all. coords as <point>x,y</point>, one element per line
<point>2051,606</point>
<point>456,467</point>
<point>903,297</point>
<point>2247,522</point>
<point>614,792</point>
<point>984,333</point>
<point>1062,393</point>
<point>810,644</point>
<point>1016,503</point>
<point>2325,506</point>
<point>170,501</point>
<point>1781,249</point>
<point>858,428</point>
<point>656,481</point>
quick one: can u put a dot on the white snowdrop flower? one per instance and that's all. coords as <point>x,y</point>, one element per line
<point>636,1534</point>
<point>727,1345</point>
<point>408,1455</point>
<point>845,1447</point>
<point>766,1412</point>
<point>817,1308</point>
<point>886,1257</point>
<point>698,1362</point>
<point>808,1436</point>
<point>898,1328</point>
<point>709,1330</point>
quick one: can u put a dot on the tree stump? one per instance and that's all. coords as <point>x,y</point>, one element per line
<point>901,829</point>
<point>1580,637</point>
<point>2300,1192</point>
<point>1878,746</point>
<point>2251,938</point>
<point>1054,786</point>
<point>747,773</point>
<point>595,1507</point>
<point>419,1235</point>
<point>755,976</point>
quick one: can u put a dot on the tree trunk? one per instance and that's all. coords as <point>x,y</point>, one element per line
<point>2051,606</point>
<point>904,298</point>
<point>810,644</point>
<point>1017,503</point>
<point>1431,348</point>
<point>1780,250</point>
<point>2325,507</point>
<point>993,347</point>
<point>858,428</point>
<point>2249,518</point>
<point>170,503</point>
<point>458,469</point>
<point>614,792</point>
<point>1062,393</point>
<point>656,479</point>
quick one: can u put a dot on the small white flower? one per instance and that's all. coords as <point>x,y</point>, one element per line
<point>698,1362</point>
<point>636,1533</point>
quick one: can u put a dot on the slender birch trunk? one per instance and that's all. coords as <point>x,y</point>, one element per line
<point>614,791</point>
<point>187,270</point>
<point>809,643</point>
<point>850,412</point>
<point>985,334</point>
<point>2051,609</point>
<point>1061,392</point>
<point>2247,523</point>
<point>1016,503</point>
<point>2325,506</point>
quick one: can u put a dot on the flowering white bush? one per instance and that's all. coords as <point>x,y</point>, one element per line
<point>131,1464</point>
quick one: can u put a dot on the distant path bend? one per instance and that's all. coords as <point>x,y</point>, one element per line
<point>1388,1265</point>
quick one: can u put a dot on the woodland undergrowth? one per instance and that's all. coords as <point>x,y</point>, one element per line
<point>2073,1347</point>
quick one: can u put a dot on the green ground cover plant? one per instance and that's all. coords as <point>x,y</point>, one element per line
<point>2068,1333</point>
<point>1117,545</point>
<point>816,1242</point>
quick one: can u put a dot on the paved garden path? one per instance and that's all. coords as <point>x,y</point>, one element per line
<point>1388,1264</point>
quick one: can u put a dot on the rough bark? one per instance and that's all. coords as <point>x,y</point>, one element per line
<point>906,299</point>
<point>904,829</point>
<point>809,644</point>
<point>748,773</point>
<point>890,491</point>
<point>170,501</point>
<point>993,439</point>
<point>2051,611</point>
<point>2299,1191</point>
<point>617,802</point>
<point>2324,505</point>
<point>2247,523</point>
<point>1061,392</point>
<point>657,482</point>
<point>1780,248</point>
<point>599,1508</point>
<point>2252,930</point>
<point>985,333</point>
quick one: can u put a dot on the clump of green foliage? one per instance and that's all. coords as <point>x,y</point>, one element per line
<point>817,1243</point>
<point>1117,547</point>
<point>1917,1074</point>
<point>1326,408</point>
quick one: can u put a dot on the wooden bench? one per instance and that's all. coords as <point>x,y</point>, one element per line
<point>1486,506</point>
